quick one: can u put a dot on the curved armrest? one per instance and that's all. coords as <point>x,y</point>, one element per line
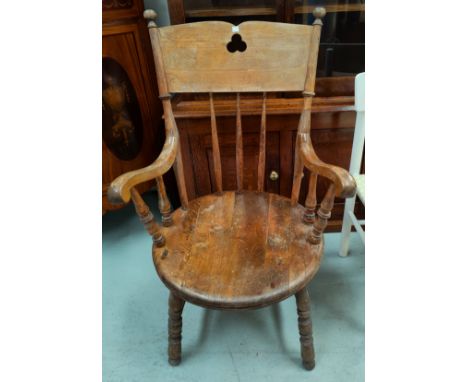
<point>119,190</point>
<point>345,184</point>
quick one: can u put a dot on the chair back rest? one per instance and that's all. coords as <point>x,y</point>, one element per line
<point>216,56</point>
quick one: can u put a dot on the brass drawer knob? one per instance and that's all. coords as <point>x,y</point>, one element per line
<point>274,176</point>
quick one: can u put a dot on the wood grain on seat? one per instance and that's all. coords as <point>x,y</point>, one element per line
<point>237,250</point>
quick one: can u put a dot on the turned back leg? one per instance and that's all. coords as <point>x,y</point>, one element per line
<point>305,329</point>
<point>176,305</point>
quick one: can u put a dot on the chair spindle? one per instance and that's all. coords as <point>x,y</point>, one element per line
<point>180,178</point>
<point>146,217</point>
<point>311,200</point>
<point>323,214</point>
<point>178,164</point>
<point>261,150</point>
<point>298,174</point>
<point>239,147</point>
<point>304,127</point>
<point>164,204</point>
<point>215,144</point>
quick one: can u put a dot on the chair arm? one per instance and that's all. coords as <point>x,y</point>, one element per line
<point>345,184</point>
<point>119,190</point>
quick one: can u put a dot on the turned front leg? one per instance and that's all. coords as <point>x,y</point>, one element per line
<point>176,305</point>
<point>305,329</point>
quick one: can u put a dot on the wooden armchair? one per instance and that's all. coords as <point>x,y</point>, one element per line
<point>236,249</point>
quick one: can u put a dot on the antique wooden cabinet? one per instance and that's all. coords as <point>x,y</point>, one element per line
<point>131,110</point>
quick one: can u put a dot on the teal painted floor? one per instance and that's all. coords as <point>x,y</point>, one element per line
<point>259,345</point>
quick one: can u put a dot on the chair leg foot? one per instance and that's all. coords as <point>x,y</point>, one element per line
<point>174,362</point>
<point>176,305</point>
<point>305,329</point>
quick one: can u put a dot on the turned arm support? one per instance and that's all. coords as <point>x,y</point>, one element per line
<point>120,189</point>
<point>343,183</point>
<point>345,186</point>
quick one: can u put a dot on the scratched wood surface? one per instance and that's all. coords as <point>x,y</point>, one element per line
<point>237,250</point>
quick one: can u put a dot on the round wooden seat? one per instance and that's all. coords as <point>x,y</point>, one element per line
<point>237,250</point>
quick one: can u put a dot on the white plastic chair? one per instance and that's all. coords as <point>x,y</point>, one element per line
<point>349,217</point>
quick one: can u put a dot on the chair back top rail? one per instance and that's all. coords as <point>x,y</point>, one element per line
<point>216,56</point>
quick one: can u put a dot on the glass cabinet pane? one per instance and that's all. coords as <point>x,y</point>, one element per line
<point>342,42</point>
<point>234,11</point>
